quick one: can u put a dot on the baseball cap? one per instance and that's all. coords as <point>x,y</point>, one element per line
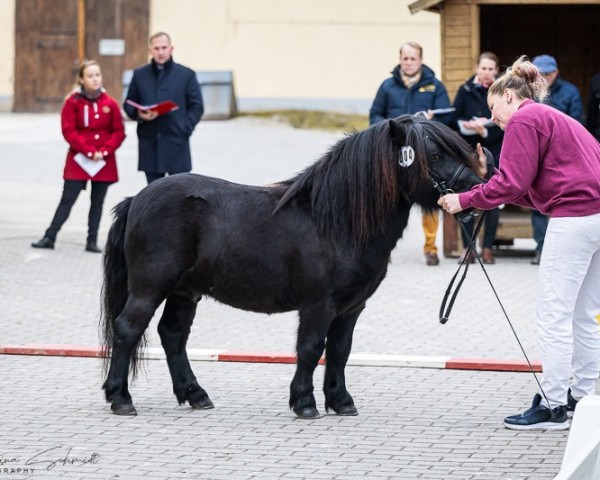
<point>545,64</point>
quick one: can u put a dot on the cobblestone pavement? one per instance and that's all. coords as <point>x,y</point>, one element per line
<point>413,423</point>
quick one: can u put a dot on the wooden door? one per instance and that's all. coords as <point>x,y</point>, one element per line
<point>49,46</point>
<point>46,53</point>
<point>108,20</point>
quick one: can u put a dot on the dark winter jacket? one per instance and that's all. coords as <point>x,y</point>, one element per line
<point>163,143</point>
<point>565,97</point>
<point>593,107</point>
<point>471,101</point>
<point>394,99</point>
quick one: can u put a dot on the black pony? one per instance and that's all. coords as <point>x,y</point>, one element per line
<point>318,243</point>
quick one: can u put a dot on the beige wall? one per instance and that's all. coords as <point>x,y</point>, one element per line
<point>301,51</point>
<point>7,52</point>
<point>295,53</point>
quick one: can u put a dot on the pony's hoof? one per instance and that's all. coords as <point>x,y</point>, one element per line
<point>308,413</point>
<point>203,404</point>
<point>124,409</point>
<point>346,411</point>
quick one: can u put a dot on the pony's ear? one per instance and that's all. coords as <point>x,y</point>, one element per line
<point>398,131</point>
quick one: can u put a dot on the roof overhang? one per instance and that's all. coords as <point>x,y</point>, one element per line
<point>430,5</point>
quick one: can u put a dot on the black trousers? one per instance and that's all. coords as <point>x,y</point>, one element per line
<point>70,193</point>
<point>490,226</point>
<point>152,176</point>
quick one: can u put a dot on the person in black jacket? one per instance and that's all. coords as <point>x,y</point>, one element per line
<point>593,107</point>
<point>472,120</point>
<point>164,139</point>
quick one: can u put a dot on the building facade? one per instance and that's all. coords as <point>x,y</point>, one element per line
<point>283,54</point>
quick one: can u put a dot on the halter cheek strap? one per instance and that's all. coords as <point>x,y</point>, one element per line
<point>443,188</point>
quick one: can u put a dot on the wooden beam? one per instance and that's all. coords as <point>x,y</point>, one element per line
<point>423,5</point>
<point>81,30</point>
<point>434,5</point>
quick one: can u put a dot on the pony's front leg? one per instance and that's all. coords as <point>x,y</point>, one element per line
<point>174,330</point>
<point>312,328</point>
<point>339,344</point>
<point>128,330</point>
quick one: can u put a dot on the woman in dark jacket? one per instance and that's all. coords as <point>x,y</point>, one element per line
<point>472,121</point>
<point>93,127</point>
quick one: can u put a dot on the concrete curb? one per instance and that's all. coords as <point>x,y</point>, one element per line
<point>356,359</point>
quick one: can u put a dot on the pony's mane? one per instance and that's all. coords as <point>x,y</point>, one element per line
<point>355,186</point>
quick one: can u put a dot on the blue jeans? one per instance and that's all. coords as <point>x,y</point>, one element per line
<point>539,225</point>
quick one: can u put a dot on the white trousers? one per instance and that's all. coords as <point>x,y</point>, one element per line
<point>568,308</point>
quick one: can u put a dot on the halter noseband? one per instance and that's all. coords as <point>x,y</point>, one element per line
<point>443,187</point>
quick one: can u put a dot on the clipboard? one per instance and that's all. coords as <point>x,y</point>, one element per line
<point>160,108</point>
<point>441,111</point>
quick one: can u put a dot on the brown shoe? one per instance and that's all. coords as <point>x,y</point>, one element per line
<point>432,259</point>
<point>487,256</point>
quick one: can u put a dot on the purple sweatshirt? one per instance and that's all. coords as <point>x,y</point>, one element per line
<point>548,161</point>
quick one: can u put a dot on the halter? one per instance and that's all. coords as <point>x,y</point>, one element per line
<point>443,187</point>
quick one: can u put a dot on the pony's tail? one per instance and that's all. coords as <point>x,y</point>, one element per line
<point>114,287</point>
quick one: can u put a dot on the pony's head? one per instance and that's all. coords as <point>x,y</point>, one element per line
<point>432,159</point>
<point>366,178</point>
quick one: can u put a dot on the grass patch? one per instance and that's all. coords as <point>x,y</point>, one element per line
<point>314,119</point>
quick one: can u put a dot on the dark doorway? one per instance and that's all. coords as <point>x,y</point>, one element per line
<point>568,33</point>
<point>53,36</point>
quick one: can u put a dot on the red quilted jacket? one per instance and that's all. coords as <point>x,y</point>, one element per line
<point>89,126</point>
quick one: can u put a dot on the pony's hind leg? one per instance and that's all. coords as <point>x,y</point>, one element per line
<point>174,330</point>
<point>312,328</point>
<point>339,343</point>
<point>128,332</point>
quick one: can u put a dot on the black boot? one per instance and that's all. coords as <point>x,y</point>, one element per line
<point>44,243</point>
<point>92,247</point>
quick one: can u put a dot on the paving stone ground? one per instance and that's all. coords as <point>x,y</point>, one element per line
<point>413,423</point>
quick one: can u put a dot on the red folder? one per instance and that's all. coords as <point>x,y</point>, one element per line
<point>160,108</point>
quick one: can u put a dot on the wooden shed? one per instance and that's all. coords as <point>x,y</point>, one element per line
<point>565,29</point>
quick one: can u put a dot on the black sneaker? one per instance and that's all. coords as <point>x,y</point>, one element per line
<point>571,404</point>
<point>539,417</point>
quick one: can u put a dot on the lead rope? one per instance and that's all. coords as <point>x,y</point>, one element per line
<point>444,318</point>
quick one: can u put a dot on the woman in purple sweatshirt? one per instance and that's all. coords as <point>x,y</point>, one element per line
<point>550,162</point>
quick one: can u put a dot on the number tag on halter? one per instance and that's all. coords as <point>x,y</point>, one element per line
<point>407,156</point>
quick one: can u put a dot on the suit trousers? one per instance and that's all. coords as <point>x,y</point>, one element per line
<point>568,308</point>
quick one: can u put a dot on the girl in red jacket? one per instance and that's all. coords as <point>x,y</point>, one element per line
<point>92,125</point>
